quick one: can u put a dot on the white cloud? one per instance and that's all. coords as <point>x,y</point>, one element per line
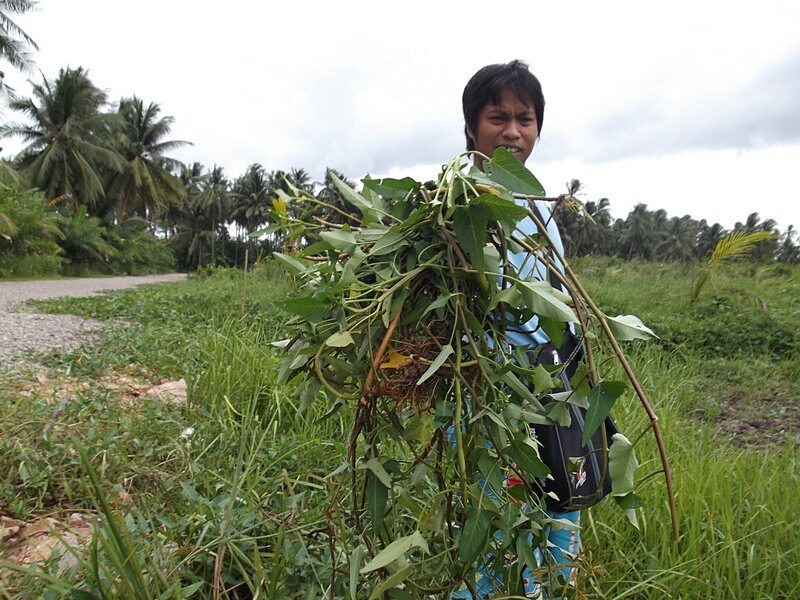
<point>631,87</point>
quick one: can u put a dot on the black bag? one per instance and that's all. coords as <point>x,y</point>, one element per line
<point>580,476</point>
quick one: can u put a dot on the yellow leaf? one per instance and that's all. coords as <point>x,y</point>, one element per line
<point>279,205</point>
<point>487,189</point>
<point>395,360</point>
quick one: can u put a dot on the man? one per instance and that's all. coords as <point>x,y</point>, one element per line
<point>503,106</point>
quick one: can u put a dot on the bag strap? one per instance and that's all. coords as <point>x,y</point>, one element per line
<point>571,349</point>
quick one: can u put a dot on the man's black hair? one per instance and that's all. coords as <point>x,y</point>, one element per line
<point>486,86</point>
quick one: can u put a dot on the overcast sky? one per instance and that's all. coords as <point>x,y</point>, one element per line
<point>693,107</point>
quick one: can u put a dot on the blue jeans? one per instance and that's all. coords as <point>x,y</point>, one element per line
<point>563,548</point>
<point>558,558</point>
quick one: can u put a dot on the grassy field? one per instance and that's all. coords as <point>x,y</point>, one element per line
<point>226,495</point>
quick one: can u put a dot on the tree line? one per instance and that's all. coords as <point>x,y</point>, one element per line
<point>95,189</point>
<point>95,179</point>
<point>653,235</point>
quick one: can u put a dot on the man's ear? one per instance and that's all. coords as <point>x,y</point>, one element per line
<point>469,134</point>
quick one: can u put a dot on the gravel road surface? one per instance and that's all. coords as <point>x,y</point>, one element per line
<point>22,330</point>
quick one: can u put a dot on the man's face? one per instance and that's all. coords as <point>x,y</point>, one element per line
<point>510,123</point>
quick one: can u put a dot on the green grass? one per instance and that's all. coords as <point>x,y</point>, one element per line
<point>239,504</point>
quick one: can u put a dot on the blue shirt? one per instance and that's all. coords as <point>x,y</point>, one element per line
<point>529,334</point>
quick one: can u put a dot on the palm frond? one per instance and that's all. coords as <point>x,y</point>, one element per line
<point>738,244</point>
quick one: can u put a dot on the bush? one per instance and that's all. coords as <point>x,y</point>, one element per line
<point>28,234</point>
<point>729,326</point>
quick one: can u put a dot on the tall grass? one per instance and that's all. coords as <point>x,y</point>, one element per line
<point>739,508</point>
<point>229,493</point>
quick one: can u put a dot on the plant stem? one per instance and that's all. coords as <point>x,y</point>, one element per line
<point>662,450</point>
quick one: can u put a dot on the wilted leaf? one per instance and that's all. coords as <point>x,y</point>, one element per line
<point>279,204</point>
<point>629,327</point>
<point>622,465</point>
<point>340,339</point>
<point>395,360</point>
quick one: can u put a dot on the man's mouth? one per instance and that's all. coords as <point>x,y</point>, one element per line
<point>512,149</point>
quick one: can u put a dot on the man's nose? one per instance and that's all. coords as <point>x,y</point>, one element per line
<point>511,130</point>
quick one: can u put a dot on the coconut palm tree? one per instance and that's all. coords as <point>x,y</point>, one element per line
<point>251,197</point>
<point>145,185</point>
<point>67,147</point>
<point>15,44</point>
<point>765,249</point>
<point>679,239</point>
<point>637,233</point>
<point>789,252</point>
<point>214,201</point>
<point>708,236</point>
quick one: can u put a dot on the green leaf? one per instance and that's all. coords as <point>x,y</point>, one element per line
<point>356,558</point>
<point>395,550</point>
<point>473,536</point>
<point>513,382</point>
<point>352,196</point>
<point>377,497</point>
<point>438,303</point>
<point>469,225</point>
<point>493,416</point>
<point>391,188</point>
<point>601,400</point>
<point>622,465</point>
<point>514,411</point>
<point>554,330</point>
<point>525,457</point>
<point>389,242</point>
<point>445,352</point>
<point>510,296</point>
<point>390,582</point>
<point>374,465</point>
<point>629,327</point>
<point>540,297</point>
<point>525,552</point>
<point>344,241</point>
<point>542,380</point>
<point>558,412</point>
<point>500,209</point>
<point>290,263</point>
<point>629,503</point>
<point>340,339</point>
<point>310,308</point>
<point>506,170</point>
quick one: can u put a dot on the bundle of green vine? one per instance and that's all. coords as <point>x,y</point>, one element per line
<point>405,298</point>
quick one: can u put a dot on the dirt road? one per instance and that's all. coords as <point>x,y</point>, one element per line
<point>20,331</point>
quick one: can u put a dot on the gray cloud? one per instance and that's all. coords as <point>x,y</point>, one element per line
<point>764,110</point>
